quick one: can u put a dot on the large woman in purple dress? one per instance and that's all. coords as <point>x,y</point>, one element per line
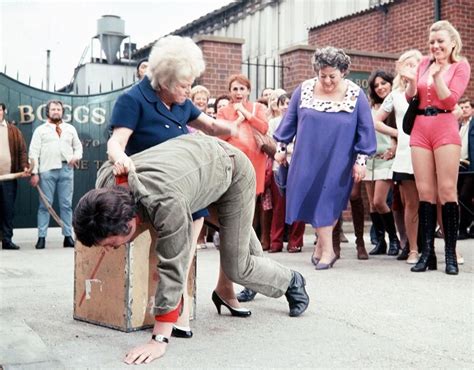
<point>332,122</point>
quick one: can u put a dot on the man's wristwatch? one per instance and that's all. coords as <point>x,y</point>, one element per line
<point>160,338</point>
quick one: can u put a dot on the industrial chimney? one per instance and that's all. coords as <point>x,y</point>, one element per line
<point>110,32</point>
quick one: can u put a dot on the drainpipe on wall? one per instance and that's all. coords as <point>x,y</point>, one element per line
<point>437,10</point>
<point>48,68</point>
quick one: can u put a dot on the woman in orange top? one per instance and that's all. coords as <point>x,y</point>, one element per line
<point>247,116</point>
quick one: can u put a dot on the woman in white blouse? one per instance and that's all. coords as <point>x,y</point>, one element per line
<point>402,167</point>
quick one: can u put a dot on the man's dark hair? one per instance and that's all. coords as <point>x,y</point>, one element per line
<point>463,100</point>
<point>4,107</point>
<point>104,212</point>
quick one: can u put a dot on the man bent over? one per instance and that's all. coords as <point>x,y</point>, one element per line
<point>169,182</point>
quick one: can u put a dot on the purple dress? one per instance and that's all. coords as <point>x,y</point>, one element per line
<point>328,138</point>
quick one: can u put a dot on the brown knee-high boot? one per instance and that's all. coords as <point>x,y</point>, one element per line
<point>265,226</point>
<point>357,208</point>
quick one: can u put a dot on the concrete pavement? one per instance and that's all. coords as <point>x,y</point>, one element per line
<point>363,314</point>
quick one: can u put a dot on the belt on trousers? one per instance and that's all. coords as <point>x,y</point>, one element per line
<point>431,111</point>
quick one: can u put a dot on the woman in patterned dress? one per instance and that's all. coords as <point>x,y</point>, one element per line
<point>331,119</point>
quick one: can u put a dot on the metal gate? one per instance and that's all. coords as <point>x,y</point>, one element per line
<point>262,74</point>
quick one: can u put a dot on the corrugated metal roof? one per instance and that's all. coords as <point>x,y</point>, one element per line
<point>233,7</point>
<point>382,5</point>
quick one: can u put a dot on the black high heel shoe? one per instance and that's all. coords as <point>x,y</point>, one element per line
<point>239,312</point>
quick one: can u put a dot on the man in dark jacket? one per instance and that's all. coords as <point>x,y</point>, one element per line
<point>13,159</point>
<point>466,170</point>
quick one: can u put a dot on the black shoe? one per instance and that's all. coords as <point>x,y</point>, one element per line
<point>389,226</point>
<point>9,245</point>
<point>239,312</point>
<point>296,295</point>
<point>179,333</point>
<point>380,248</point>
<point>405,251</point>
<point>463,234</point>
<point>41,243</point>
<point>68,242</point>
<point>471,232</point>
<point>380,245</point>
<point>246,295</point>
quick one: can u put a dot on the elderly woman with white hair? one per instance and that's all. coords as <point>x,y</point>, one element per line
<point>158,109</point>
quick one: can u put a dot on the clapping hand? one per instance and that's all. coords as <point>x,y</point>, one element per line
<point>408,72</point>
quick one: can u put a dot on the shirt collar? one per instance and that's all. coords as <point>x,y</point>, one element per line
<point>3,123</point>
<point>147,90</point>
<point>53,124</point>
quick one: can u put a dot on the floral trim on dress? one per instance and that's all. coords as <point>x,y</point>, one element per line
<point>347,104</point>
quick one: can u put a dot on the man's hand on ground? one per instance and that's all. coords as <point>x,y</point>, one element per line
<point>146,353</point>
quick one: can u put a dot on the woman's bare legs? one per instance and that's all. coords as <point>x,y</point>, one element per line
<point>324,249</point>
<point>409,195</point>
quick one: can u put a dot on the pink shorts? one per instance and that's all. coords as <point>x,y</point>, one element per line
<point>433,132</point>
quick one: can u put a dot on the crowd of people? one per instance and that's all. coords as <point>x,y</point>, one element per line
<point>319,146</point>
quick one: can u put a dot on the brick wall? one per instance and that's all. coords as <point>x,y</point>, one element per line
<point>297,66</point>
<point>223,57</point>
<point>404,25</point>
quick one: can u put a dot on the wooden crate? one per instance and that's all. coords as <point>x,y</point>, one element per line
<point>116,288</point>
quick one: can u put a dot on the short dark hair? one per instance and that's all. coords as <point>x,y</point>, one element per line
<point>282,98</point>
<point>4,107</point>
<point>384,76</point>
<point>219,98</point>
<point>463,100</point>
<point>104,212</point>
<point>330,56</point>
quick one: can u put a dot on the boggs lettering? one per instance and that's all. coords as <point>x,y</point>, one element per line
<point>80,114</point>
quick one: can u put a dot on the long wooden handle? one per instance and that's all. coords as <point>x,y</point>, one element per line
<point>12,176</point>
<point>17,175</point>
<point>50,209</point>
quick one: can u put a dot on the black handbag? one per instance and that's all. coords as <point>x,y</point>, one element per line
<point>410,115</point>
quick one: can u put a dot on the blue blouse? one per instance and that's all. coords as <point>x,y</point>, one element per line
<point>152,123</point>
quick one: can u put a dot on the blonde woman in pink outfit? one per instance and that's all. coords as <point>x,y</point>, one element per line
<point>439,82</point>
